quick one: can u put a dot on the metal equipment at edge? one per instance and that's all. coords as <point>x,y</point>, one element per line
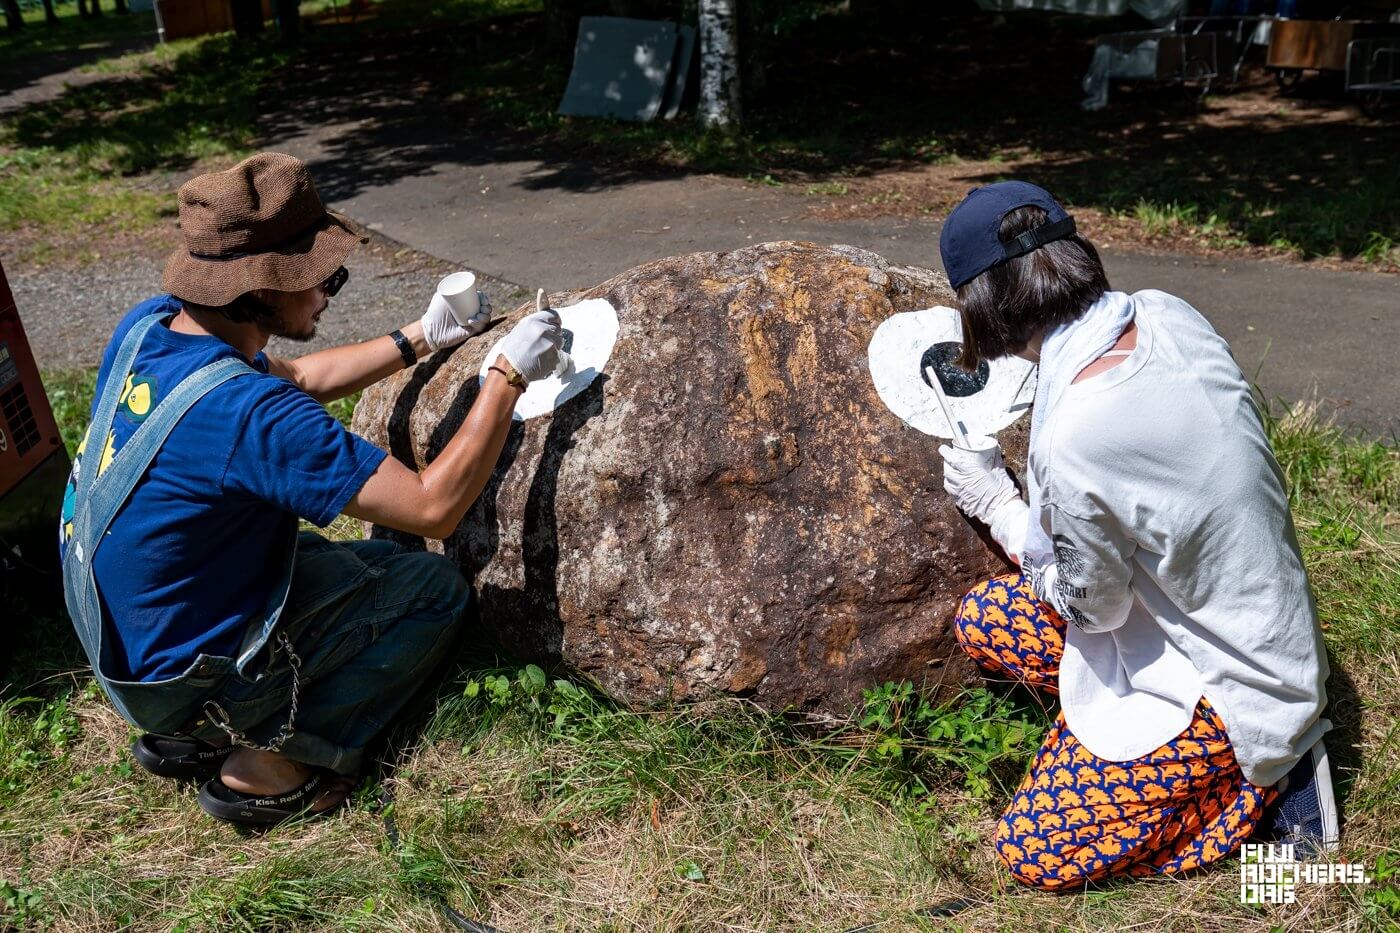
<point>33,461</point>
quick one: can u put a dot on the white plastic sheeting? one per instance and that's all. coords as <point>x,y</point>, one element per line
<point>1158,11</point>
<point>621,68</point>
<point>1109,62</point>
<point>629,69</point>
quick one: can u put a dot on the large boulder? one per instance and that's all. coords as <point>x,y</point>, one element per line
<point>730,509</point>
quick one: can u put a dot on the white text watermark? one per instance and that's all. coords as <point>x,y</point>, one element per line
<point>1271,873</point>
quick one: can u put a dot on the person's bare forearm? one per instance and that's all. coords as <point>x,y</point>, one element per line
<point>327,375</point>
<point>458,475</point>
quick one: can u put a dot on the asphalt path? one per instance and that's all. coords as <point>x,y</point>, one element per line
<point>36,79</point>
<point>427,176</point>
<point>69,313</point>
<point>1300,332</point>
<point>518,219</point>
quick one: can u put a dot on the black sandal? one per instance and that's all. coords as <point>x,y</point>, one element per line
<point>178,756</point>
<point>224,803</point>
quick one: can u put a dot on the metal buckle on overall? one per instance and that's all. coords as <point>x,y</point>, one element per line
<point>220,718</point>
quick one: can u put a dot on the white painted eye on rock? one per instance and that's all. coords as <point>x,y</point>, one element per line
<point>911,350</point>
<point>590,332</point>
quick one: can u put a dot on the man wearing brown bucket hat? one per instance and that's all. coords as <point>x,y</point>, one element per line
<point>259,658</point>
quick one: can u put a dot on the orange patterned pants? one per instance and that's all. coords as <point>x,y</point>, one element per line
<point>1077,818</point>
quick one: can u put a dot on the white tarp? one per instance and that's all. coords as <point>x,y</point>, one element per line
<point>1110,62</point>
<point>622,68</point>
<point>1158,11</point>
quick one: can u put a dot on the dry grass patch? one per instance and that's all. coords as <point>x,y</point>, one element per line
<point>530,803</point>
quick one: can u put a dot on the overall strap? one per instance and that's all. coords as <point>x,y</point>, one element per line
<point>105,495</point>
<point>101,424</point>
<point>109,492</point>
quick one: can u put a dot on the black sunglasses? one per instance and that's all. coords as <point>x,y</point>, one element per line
<point>336,282</point>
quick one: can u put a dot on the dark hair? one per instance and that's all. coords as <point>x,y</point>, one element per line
<point>1004,307</point>
<point>241,310</point>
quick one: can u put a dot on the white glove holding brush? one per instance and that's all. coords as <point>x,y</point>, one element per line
<point>532,346</point>
<point>978,482</point>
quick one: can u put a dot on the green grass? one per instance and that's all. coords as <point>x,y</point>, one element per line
<point>72,33</point>
<point>105,156</point>
<point>70,394</point>
<point>893,97</point>
<point>1157,219</point>
<point>531,802</point>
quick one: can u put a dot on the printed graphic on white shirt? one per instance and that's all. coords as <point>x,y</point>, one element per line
<point>1063,581</point>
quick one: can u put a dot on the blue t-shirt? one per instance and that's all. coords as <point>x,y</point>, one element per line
<point>202,540</point>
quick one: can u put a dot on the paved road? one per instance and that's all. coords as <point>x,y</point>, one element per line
<point>504,208</point>
<point>69,314</point>
<point>1300,332</point>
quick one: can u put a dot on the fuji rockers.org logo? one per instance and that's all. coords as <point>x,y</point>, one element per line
<point>1270,873</point>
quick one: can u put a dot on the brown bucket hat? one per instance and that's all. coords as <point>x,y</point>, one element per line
<point>259,224</point>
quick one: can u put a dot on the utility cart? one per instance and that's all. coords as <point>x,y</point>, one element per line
<point>1189,56</point>
<point>1373,71</point>
<point>1298,46</point>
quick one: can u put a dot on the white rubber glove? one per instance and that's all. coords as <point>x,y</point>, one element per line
<point>441,329</point>
<point>981,487</point>
<point>532,347</point>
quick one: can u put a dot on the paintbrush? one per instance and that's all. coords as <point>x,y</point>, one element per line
<point>953,423</point>
<point>565,368</point>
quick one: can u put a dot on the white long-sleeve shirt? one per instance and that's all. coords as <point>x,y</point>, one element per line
<point>1176,562</point>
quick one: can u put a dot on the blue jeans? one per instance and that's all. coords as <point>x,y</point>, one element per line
<point>364,647</point>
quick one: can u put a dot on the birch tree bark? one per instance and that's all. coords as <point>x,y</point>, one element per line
<point>719,63</point>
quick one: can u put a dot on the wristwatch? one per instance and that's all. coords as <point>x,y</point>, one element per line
<point>513,377</point>
<point>406,351</point>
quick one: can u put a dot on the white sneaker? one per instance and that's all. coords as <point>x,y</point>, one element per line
<point>1305,814</point>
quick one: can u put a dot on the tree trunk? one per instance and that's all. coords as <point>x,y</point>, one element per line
<point>288,15</point>
<point>719,64</point>
<point>14,19</point>
<point>83,11</point>
<point>561,24</point>
<point>95,6</point>
<point>50,16</point>
<point>247,17</point>
<point>119,6</point>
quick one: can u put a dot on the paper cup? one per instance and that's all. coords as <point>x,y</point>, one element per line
<point>986,448</point>
<point>458,292</point>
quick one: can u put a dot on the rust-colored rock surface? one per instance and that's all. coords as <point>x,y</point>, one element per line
<point>730,508</point>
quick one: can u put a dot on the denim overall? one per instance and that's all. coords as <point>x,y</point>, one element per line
<point>169,705</point>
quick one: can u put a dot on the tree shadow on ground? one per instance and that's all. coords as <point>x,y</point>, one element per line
<point>855,98</point>
<point>164,117</point>
<point>18,79</point>
<point>40,50</point>
<point>415,89</point>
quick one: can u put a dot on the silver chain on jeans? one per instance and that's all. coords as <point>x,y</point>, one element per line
<point>238,738</point>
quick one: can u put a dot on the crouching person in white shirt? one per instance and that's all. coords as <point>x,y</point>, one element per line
<point>1162,593</point>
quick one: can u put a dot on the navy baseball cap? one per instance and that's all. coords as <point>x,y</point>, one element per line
<point>970,244</point>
